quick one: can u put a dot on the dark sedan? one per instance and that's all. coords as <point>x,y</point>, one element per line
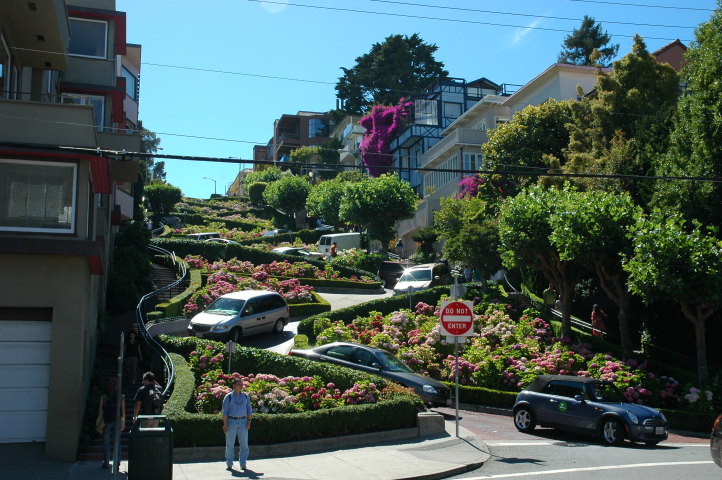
<point>715,443</point>
<point>587,405</point>
<point>379,362</point>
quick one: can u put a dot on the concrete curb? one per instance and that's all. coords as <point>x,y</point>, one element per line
<point>429,424</point>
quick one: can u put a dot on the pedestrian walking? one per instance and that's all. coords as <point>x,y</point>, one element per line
<point>132,357</point>
<point>599,328</point>
<point>108,408</point>
<point>549,296</point>
<point>148,400</point>
<point>237,413</point>
<point>334,249</point>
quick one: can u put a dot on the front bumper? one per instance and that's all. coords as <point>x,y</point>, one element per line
<point>647,433</point>
<point>219,336</point>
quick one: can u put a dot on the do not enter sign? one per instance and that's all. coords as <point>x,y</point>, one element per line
<point>457,318</point>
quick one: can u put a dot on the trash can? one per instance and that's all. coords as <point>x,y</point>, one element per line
<point>150,448</point>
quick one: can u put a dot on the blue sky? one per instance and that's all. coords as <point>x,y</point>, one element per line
<point>216,74</point>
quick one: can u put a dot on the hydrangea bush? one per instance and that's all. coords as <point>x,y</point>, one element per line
<point>507,351</point>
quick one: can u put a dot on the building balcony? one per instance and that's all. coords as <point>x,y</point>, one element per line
<point>462,137</point>
<point>407,137</point>
<point>47,123</point>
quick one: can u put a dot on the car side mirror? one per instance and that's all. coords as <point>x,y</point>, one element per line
<point>579,398</point>
<point>436,277</point>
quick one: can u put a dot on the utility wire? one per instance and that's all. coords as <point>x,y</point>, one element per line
<point>425,17</point>
<point>122,155</point>
<point>645,5</point>
<point>531,15</point>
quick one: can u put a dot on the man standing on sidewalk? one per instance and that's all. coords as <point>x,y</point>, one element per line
<point>237,414</point>
<point>148,400</point>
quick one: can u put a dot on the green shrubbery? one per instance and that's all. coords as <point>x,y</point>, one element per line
<point>194,429</point>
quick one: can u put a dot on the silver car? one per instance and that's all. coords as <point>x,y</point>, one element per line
<point>240,314</point>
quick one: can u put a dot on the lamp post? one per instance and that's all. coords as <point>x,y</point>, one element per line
<point>214,184</point>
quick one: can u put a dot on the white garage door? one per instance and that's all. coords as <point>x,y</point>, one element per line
<point>24,378</point>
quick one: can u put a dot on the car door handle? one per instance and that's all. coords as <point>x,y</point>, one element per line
<point>553,401</point>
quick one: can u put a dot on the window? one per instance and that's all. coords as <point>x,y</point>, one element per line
<point>97,102</point>
<point>473,161</point>
<point>131,84</point>
<point>425,112</point>
<point>37,196</point>
<point>318,127</point>
<point>452,111</point>
<point>564,389</point>
<point>88,38</point>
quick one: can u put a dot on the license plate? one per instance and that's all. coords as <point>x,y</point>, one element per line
<point>659,431</point>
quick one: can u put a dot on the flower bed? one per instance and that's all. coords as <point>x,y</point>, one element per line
<point>507,351</point>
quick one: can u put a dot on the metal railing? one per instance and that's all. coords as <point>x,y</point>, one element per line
<point>577,322</point>
<point>150,300</point>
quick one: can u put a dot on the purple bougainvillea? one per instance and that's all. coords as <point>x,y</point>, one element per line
<point>381,126</point>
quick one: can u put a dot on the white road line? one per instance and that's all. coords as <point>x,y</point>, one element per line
<point>591,469</point>
<point>517,444</point>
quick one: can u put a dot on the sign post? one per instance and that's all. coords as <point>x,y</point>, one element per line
<point>457,320</point>
<point>231,349</point>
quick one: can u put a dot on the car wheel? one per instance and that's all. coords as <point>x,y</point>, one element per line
<point>278,327</point>
<point>612,432</point>
<point>524,420</point>
<point>236,334</point>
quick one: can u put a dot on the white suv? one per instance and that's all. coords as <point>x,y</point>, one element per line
<point>240,314</point>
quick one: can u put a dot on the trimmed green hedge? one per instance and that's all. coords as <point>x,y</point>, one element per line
<point>194,429</point>
<point>213,251</point>
<point>303,309</point>
<point>484,396</point>
<point>174,306</point>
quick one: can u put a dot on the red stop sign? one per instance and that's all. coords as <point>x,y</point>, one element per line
<point>457,318</point>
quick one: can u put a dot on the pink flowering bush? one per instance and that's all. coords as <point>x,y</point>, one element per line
<point>271,394</point>
<point>381,126</point>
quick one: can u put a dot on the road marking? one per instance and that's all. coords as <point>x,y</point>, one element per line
<point>516,444</point>
<point>591,469</point>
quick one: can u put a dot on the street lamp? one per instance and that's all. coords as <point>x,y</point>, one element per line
<point>214,184</point>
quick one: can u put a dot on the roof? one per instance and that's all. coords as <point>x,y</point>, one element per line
<point>676,43</point>
<point>246,294</point>
<point>549,72</point>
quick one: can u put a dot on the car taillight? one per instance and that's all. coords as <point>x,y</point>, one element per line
<point>716,423</point>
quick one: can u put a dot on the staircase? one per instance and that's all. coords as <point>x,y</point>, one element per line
<point>107,354</point>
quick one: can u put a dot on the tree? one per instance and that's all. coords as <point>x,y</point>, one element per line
<point>696,141</point>
<point>398,67</point>
<point>680,262</point>
<point>525,240</point>
<point>534,138</point>
<point>426,237</point>
<point>381,126</point>
<point>288,193</point>
<point>255,193</point>
<point>324,200</point>
<point>591,228</point>
<point>147,171</point>
<point>469,228</point>
<point>162,197</point>
<point>586,45</point>
<point>329,158</point>
<point>268,175</point>
<point>624,128</point>
<point>377,204</point>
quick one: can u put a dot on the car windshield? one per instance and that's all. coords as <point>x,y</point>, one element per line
<point>393,364</point>
<point>605,392</point>
<point>416,276</point>
<point>225,306</point>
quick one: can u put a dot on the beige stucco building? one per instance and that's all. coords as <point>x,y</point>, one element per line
<point>68,86</point>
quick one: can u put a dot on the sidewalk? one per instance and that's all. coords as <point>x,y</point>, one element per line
<point>439,456</point>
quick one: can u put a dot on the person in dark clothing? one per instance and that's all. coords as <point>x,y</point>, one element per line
<point>148,399</point>
<point>132,357</point>
<point>108,409</point>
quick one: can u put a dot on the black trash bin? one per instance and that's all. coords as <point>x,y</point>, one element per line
<point>150,448</point>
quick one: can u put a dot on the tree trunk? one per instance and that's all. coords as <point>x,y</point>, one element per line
<point>698,314</point>
<point>616,289</point>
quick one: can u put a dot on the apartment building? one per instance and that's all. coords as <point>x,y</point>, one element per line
<point>351,134</point>
<point>458,150</point>
<point>69,85</point>
<point>301,129</point>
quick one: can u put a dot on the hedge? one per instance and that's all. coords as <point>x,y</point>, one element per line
<point>304,309</point>
<point>195,429</point>
<point>213,251</point>
<point>174,306</point>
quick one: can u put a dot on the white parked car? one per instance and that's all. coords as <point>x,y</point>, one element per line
<point>240,314</point>
<point>299,252</point>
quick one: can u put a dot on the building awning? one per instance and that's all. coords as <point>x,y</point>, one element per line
<point>100,171</point>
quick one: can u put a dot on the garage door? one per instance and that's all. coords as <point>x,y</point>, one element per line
<point>24,378</point>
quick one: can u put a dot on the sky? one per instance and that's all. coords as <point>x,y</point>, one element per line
<point>216,74</point>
